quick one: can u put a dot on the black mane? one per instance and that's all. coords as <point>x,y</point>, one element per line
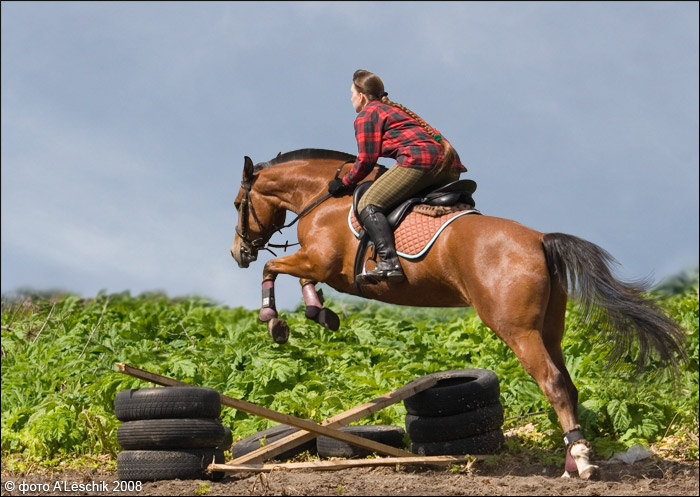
<point>305,153</point>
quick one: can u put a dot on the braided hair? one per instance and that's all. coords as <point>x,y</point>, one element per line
<point>372,87</point>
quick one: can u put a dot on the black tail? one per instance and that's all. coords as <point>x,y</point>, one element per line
<point>621,310</point>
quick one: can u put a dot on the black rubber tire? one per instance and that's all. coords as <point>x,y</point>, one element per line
<point>166,403</point>
<point>463,425</point>
<point>149,434</point>
<point>386,434</point>
<point>266,437</point>
<point>456,391</point>
<point>152,465</point>
<point>482,444</point>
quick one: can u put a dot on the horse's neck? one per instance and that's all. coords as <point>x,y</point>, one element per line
<point>293,187</point>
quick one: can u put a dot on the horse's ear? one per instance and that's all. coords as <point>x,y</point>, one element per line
<point>247,168</point>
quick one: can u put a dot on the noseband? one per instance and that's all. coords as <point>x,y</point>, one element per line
<point>261,242</point>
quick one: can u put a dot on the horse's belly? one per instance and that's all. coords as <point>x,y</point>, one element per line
<point>415,295</point>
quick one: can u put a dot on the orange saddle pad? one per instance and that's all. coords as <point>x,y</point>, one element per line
<point>417,232</point>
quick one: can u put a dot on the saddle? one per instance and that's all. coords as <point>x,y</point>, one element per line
<point>438,207</point>
<point>451,194</point>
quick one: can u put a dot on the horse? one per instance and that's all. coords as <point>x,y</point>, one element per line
<point>517,279</point>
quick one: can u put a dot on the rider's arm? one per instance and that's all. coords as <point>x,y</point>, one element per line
<point>368,132</point>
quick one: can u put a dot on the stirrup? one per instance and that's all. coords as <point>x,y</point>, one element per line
<point>373,279</point>
<point>376,275</point>
<point>366,277</point>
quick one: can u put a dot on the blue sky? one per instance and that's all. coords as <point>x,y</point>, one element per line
<point>124,125</point>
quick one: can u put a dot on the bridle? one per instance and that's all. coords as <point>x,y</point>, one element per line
<point>246,205</point>
<point>261,243</point>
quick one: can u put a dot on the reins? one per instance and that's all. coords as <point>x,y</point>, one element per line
<point>259,243</point>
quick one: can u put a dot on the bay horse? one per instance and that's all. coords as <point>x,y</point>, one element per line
<point>517,279</point>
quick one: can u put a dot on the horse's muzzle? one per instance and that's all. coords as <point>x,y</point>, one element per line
<point>243,254</point>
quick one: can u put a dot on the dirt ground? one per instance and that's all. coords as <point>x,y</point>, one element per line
<point>511,475</point>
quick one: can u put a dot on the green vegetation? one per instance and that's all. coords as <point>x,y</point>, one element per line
<point>59,379</point>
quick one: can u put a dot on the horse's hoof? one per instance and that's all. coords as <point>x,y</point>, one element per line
<point>279,330</point>
<point>590,473</point>
<point>312,312</point>
<point>581,452</point>
<point>328,319</point>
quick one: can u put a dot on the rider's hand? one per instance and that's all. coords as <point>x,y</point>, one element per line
<point>337,188</point>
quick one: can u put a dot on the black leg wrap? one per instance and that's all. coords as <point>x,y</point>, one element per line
<point>573,436</point>
<point>268,297</point>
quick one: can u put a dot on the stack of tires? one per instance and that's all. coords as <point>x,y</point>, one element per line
<point>461,414</point>
<point>170,433</point>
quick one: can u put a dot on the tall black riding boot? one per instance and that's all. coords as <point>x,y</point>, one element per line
<point>377,227</point>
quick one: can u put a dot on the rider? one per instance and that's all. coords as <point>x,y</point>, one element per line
<point>423,158</point>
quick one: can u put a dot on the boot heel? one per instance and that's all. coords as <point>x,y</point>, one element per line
<point>366,279</point>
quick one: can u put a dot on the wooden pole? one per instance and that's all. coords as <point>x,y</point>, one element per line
<point>264,412</point>
<point>333,465</point>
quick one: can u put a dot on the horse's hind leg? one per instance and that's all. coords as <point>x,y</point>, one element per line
<point>530,322</point>
<point>553,379</point>
<point>533,355</point>
<point>578,450</point>
<point>552,334</point>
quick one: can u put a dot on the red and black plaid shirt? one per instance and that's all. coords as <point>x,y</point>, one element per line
<point>385,131</point>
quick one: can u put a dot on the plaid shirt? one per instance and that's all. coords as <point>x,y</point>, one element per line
<point>385,131</point>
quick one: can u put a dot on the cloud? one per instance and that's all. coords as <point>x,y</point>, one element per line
<point>124,126</point>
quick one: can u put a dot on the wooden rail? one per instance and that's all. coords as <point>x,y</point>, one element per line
<point>345,464</point>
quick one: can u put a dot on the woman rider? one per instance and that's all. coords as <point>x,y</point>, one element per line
<point>423,158</point>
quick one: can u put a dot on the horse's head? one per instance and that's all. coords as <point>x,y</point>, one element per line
<point>258,217</point>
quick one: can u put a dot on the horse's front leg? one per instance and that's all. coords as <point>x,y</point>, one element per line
<point>278,328</point>
<point>314,306</point>
<point>297,264</point>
